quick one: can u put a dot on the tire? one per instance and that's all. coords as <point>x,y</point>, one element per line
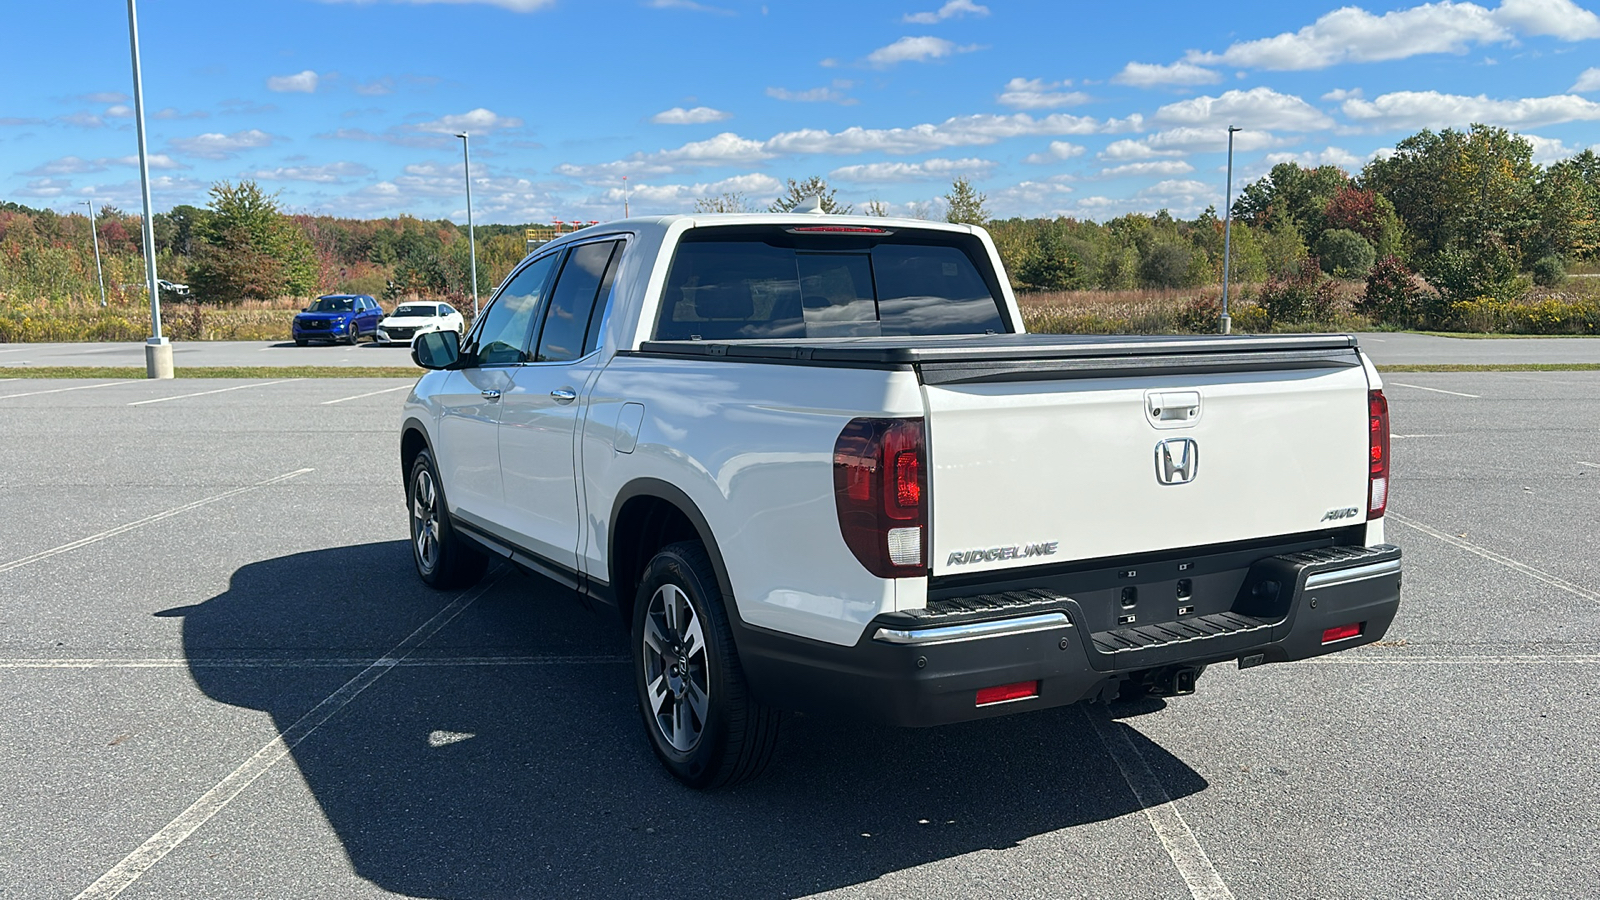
<point>443,558</point>
<point>299,342</point>
<point>727,737</point>
<point>353,335</point>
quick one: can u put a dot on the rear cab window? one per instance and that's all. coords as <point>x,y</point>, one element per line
<point>789,281</point>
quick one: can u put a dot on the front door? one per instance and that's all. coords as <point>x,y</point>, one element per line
<point>541,412</point>
<point>472,400</point>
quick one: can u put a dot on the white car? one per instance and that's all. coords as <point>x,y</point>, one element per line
<point>411,319</point>
<point>815,463</point>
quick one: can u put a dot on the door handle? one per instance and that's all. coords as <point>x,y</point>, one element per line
<point>564,395</point>
<point>491,395</point>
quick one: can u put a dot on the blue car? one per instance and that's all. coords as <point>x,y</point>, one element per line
<point>338,317</point>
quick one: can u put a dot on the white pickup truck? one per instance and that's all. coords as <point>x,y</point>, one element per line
<point>816,464</point>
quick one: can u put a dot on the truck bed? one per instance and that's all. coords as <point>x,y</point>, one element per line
<point>1004,357</point>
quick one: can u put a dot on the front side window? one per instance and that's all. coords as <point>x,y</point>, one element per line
<point>502,337</point>
<point>771,282</point>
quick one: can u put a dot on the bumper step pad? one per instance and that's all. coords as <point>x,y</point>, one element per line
<point>1124,640</point>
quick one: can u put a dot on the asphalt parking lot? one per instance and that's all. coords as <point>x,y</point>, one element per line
<point>221,679</point>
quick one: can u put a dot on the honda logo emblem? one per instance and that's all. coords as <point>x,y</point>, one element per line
<point>1177,460</point>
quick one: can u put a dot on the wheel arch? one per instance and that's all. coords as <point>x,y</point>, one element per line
<point>649,514</point>
<point>413,440</point>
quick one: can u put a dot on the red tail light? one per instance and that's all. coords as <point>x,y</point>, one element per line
<point>1343,632</point>
<point>879,484</point>
<point>1377,454</point>
<point>1022,690</point>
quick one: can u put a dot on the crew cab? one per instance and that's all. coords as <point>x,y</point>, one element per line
<point>815,463</point>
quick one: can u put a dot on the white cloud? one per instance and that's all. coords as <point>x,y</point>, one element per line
<point>1587,82</point>
<point>1148,168</point>
<point>1353,35</point>
<point>1183,197</point>
<point>1550,150</point>
<point>1180,141</point>
<point>950,10</point>
<point>1260,107</point>
<point>1311,159</point>
<point>1431,109</point>
<point>299,83</point>
<point>697,116</point>
<point>513,5</point>
<point>120,111</point>
<point>915,49</point>
<point>681,197</point>
<point>927,170</point>
<point>1036,93</point>
<point>1058,151</point>
<point>375,88</point>
<point>105,97</point>
<point>477,121</point>
<point>834,94</point>
<point>729,148</point>
<point>331,173</point>
<point>1146,75</point>
<point>82,120</point>
<point>45,188</point>
<point>689,5</point>
<point>223,146</point>
<point>1339,95</point>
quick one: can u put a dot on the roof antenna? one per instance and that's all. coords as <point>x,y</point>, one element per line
<point>812,204</point>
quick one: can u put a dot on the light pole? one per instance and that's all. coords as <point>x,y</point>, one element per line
<point>157,350</point>
<point>1227,235</point>
<point>472,238</point>
<point>624,196</point>
<point>98,274</point>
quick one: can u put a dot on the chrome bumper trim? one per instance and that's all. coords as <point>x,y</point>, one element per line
<point>1346,576</point>
<point>968,631</point>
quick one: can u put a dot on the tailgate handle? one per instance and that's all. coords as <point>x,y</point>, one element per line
<point>1177,406</point>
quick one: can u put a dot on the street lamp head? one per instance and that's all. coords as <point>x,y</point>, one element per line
<point>1233,128</point>
<point>462,135</point>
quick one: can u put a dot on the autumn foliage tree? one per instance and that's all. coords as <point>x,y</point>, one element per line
<point>249,250</point>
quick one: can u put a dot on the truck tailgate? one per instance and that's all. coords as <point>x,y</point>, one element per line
<point>1040,463</point>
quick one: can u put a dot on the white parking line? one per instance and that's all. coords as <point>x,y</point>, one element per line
<point>325,663</point>
<point>1584,462</point>
<point>403,387</point>
<point>1420,435</point>
<point>81,387</point>
<point>17,350</point>
<point>140,523</point>
<point>1508,562</point>
<point>237,387</point>
<point>1194,866</point>
<point>152,851</point>
<point>1345,659</point>
<point>1435,390</point>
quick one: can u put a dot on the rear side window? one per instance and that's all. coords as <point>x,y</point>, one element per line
<point>731,284</point>
<point>573,301</point>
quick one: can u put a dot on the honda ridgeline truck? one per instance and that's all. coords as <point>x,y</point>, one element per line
<point>815,463</point>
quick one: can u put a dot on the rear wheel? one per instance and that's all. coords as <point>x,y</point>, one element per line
<point>443,558</point>
<point>698,713</point>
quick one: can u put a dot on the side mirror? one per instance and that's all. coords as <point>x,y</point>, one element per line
<point>305,309</point>
<point>437,350</point>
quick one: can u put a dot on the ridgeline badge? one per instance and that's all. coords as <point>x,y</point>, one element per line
<point>992,554</point>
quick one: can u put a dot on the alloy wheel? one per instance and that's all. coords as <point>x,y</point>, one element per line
<point>425,520</point>
<point>675,674</point>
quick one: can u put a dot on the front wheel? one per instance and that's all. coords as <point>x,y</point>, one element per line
<point>351,335</point>
<point>698,713</point>
<point>443,558</point>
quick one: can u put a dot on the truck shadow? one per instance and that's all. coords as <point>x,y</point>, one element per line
<point>505,758</point>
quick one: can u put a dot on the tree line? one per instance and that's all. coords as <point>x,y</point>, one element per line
<point>1448,217</point>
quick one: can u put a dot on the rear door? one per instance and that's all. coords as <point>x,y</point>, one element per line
<point>1026,472</point>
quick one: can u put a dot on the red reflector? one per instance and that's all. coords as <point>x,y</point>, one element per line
<point>837,229</point>
<point>1343,632</point>
<point>1019,691</point>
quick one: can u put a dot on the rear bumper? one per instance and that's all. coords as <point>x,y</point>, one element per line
<point>925,668</point>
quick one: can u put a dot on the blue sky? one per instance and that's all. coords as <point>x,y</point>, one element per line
<point>346,107</point>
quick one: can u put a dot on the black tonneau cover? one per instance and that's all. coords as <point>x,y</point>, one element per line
<point>1010,357</point>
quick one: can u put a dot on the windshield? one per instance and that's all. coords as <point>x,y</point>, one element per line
<point>411,312</point>
<point>332,304</point>
<point>767,282</point>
